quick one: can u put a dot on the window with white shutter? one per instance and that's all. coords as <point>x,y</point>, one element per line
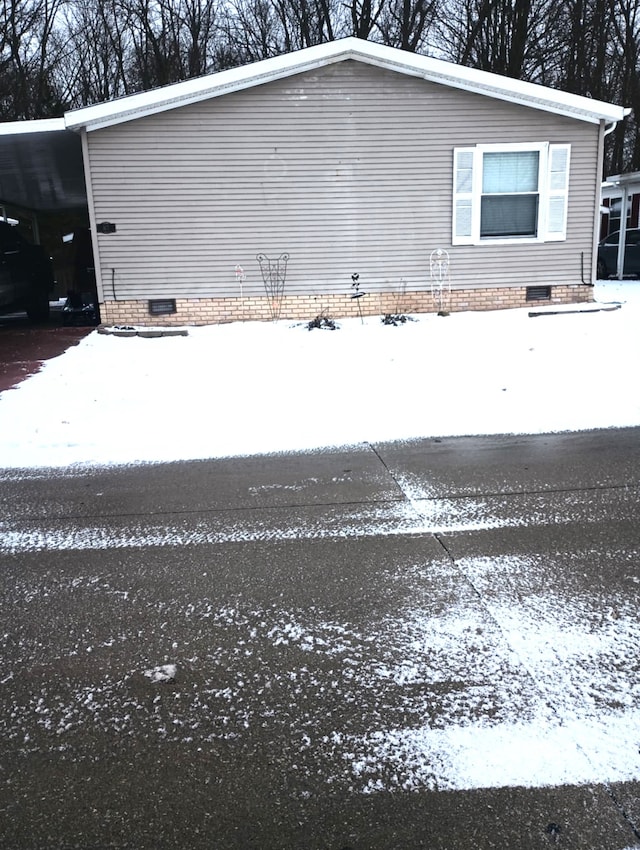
<point>510,193</point>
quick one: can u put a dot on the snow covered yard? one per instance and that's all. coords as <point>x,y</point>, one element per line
<point>251,388</point>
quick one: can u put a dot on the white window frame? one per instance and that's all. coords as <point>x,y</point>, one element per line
<point>553,193</point>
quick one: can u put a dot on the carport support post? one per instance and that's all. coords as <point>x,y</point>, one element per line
<point>92,215</point>
<point>622,241</point>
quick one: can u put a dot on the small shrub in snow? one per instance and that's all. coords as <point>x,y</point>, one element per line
<point>396,319</point>
<point>322,322</point>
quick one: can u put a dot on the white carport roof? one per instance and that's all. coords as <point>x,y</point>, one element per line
<point>41,161</point>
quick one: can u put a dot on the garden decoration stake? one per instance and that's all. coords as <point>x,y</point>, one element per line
<point>240,279</point>
<point>357,294</point>
<point>274,274</point>
<point>440,280</point>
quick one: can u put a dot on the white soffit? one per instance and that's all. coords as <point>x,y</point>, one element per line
<point>302,61</point>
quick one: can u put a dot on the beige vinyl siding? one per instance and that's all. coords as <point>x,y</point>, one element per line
<point>347,169</point>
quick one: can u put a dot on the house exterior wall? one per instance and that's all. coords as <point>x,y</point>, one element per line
<point>346,169</point>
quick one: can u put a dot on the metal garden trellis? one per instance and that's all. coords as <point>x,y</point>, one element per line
<point>274,274</point>
<point>440,280</point>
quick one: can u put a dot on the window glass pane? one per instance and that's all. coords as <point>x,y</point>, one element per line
<point>509,215</point>
<point>510,171</point>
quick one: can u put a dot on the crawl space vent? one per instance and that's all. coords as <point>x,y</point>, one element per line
<point>538,293</point>
<point>162,306</point>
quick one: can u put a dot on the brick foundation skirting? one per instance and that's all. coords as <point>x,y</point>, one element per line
<point>208,311</point>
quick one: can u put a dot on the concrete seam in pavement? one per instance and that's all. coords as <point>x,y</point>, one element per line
<point>387,469</point>
<point>607,787</point>
<point>627,817</point>
<point>440,540</point>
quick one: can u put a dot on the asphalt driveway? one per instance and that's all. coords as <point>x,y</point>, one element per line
<point>24,346</point>
<point>422,645</point>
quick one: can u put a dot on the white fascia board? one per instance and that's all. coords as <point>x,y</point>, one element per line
<point>202,88</point>
<point>311,58</point>
<point>489,84</point>
<point>619,179</point>
<point>43,125</point>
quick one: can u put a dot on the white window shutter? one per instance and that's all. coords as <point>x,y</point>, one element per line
<point>557,193</point>
<point>463,161</point>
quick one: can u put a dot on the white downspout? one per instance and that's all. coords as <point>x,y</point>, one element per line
<point>622,239</point>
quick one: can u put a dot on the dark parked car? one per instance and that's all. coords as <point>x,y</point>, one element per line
<point>608,254</point>
<point>26,275</point>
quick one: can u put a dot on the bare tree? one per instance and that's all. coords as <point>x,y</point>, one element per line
<point>509,37</point>
<point>364,16</point>
<point>94,65</point>
<point>29,54</point>
<point>306,22</point>
<point>253,30</point>
<point>198,20</point>
<point>583,47</point>
<point>407,24</point>
<point>624,148</point>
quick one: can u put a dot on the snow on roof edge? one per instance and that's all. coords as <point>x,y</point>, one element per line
<point>433,70</point>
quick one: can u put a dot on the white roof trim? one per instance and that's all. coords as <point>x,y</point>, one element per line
<point>301,61</point>
<point>42,125</point>
<point>620,179</point>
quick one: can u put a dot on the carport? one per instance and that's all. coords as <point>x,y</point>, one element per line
<point>42,185</point>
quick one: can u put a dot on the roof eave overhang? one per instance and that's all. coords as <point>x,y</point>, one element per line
<point>621,179</point>
<point>312,58</point>
<point>41,125</point>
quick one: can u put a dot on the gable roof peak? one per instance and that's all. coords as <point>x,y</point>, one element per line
<point>309,58</point>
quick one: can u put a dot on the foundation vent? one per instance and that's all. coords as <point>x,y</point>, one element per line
<point>538,293</point>
<point>162,306</point>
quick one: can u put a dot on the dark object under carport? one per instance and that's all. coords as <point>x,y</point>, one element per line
<point>81,308</point>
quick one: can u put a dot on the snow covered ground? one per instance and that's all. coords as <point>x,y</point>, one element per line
<point>248,388</point>
<point>550,696</point>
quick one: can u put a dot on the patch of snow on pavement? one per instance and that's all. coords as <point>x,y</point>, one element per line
<point>463,683</point>
<point>529,755</point>
<point>567,672</point>
<point>416,516</point>
<point>163,673</point>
